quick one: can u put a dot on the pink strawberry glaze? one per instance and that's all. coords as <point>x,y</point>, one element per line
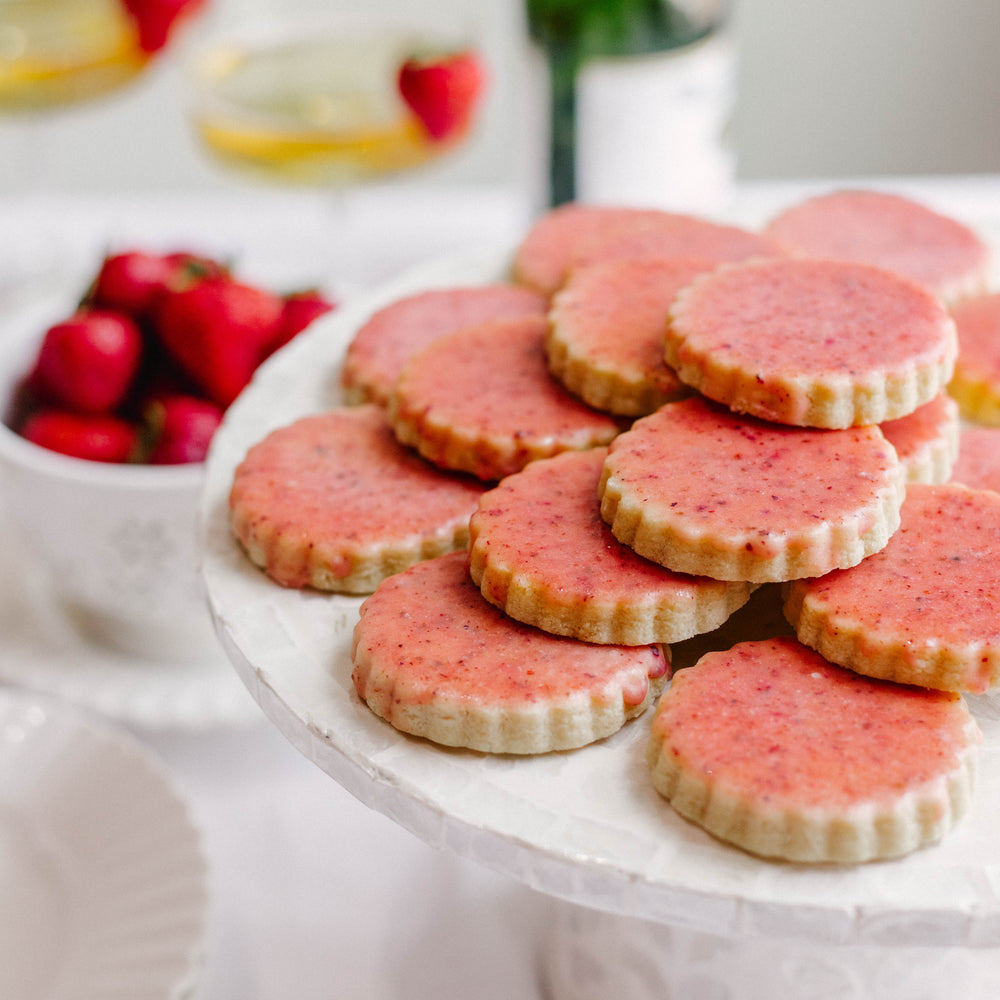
<point>339,481</point>
<point>387,340</point>
<point>432,630</point>
<point>775,722</point>
<point>614,314</point>
<point>697,463</point>
<point>796,317</point>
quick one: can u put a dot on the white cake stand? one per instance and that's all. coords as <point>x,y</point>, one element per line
<point>644,903</point>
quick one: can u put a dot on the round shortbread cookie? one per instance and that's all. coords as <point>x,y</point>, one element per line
<point>543,256</point>
<point>926,609</point>
<point>812,343</point>
<point>976,381</point>
<point>434,659</point>
<point>891,231</point>
<point>926,440</point>
<point>334,502</point>
<point>658,235</point>
<point>606,324</point>
<point>540,551</point>
<point>483,401</point>
<point>574,235</point>
<point>770,747</point>
<point>392,335</point>
<point>978,462</point>
<point>704,491</point>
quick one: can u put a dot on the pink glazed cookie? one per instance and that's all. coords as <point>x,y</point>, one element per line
<point>926,440</point>
<point>434,659</point>
<point>540,551</point>
<point>926,609</point>
<point>816,343</point>
<point>976,383</point>
<point>606,325</point>
<point>890,231</point>
<point>574,235</point>
<point>704,491</point>
<point>483,401</point>
<point>671,234</point>
<point>334,502</point>
<point>392,335</point>
<point>770,747</point>
<point>542,258</point>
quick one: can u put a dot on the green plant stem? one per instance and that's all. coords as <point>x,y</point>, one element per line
<point>563,66</point>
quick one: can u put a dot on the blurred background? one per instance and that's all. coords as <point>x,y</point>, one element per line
<point>847,89</point>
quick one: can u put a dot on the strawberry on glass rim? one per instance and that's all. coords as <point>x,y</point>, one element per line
<point>443,91</point>
<point>157,20</point>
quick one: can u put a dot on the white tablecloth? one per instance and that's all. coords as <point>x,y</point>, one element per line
<point>312,894</point>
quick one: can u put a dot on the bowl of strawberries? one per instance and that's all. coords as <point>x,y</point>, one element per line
<point>111,402</point>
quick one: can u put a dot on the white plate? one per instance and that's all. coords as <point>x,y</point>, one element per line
<point>43,652</point>
<point>102,875</point>
<point>585,825</point>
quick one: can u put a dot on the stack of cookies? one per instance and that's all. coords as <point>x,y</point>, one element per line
<point>664,439</point>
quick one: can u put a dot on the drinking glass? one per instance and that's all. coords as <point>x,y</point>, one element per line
<point>314,101</point>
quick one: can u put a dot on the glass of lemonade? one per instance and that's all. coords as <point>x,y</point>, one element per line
<point>315,101</point>
<point>57,52</point>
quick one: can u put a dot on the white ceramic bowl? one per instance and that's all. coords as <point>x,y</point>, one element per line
<point>118,541</point>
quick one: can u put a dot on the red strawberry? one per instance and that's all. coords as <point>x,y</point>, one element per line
<point>131,281</point>
<point>182,429</point>
<point>300,309</point>
<point>443,93</point>
<point>96,437</point>
<point>155,20</point>
<point>88,361</point>
<point>218,331</point>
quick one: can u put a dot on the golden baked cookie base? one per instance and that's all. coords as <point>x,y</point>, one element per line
<point>891,657</point>
<point>486,456</point>
<point>542,727</point>
<point>605,388</point>
<point>919,817</point>
<point>832,403</point>
<point>635,622</point>
<point>336,566</point>
<point>829,545</point>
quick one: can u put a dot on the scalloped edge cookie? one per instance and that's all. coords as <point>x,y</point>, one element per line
<point>434,659</point>
<point>814,343</point>
<point>770,748</point>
